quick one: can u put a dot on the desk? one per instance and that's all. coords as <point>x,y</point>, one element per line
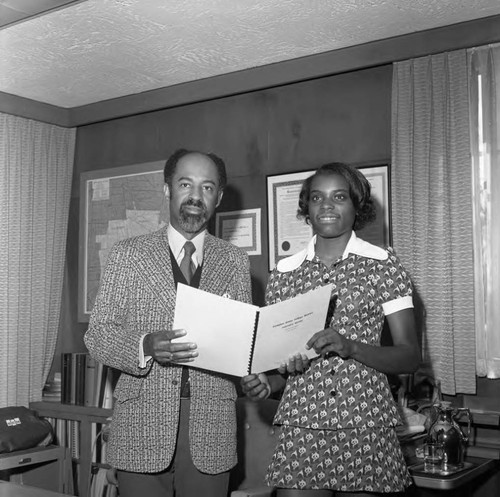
<point>8,489</point>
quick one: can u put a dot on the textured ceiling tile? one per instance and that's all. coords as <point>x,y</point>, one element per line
<point>103,49</point>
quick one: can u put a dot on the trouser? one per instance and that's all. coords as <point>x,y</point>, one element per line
<point>181,478</point>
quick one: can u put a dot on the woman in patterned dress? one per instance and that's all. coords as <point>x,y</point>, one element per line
<point>337,416</point>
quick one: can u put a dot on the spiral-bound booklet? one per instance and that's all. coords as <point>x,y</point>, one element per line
<point>236,338</point>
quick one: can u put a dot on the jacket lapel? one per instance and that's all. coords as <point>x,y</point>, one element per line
<point>155,268</point>
<point>217,273</point>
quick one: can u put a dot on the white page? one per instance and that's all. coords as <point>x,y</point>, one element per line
<point>222,329</point>
<point>285,327</point>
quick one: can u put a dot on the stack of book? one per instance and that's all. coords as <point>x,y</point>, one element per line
<point>52,389</point>
<point>86,382</point>
<point>100,486</point>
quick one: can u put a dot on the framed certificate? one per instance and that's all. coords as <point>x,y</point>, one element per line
<point>288,234</point>
<point>241,228</point>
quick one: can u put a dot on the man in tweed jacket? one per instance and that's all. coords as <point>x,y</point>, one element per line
<point>173,429</point>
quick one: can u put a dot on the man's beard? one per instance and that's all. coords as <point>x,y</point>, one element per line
<point>193,223</point>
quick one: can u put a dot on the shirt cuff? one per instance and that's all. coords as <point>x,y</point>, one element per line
<point>397,305</point>
<point>143,359</point>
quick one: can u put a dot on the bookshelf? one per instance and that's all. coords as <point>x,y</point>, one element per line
<point>86,416</point>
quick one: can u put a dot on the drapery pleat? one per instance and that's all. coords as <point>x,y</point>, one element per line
<point>432,208</point>
<point>484,78</point>
<point>36,166</point>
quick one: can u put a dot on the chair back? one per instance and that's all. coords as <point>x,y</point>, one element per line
<point>257,439</point>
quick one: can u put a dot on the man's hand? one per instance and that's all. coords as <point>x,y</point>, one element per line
<point>256,386</point>
<point>160,347</point>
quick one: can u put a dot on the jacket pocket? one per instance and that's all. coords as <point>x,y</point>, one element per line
<point>128,388</point>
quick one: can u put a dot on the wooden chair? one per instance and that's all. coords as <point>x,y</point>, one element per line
<point>48,468</point>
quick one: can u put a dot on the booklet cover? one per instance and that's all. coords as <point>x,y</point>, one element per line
<point>236,338</point>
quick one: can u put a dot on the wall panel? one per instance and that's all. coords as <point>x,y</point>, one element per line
<point>283,129</point>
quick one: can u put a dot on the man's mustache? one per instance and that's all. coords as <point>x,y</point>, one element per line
<point>194,203</point>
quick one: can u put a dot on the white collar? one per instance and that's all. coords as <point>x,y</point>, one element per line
<point>176,243</point>
<point>355,245</point>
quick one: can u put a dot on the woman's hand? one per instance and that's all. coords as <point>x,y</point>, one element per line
<point>296,364</point>
<point>256,386</point>
<point>402,357</point>
<point>330,341</point>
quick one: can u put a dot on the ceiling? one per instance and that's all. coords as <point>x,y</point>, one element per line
<point>96,50</point>
<point>14,11</point>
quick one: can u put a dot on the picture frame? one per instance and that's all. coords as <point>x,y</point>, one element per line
<point>288,235</point>
<point>241,228</point>
<point>115,204</point>
<point>379,232</point>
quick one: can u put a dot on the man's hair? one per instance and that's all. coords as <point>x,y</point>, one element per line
<point>359,191</point>
<point>171,165</point>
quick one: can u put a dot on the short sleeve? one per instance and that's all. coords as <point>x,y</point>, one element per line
<point>396,286</point>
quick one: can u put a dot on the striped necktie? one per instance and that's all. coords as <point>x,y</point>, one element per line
<point>187,265</point>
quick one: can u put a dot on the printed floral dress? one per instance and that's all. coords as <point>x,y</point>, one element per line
<point>337,419</point>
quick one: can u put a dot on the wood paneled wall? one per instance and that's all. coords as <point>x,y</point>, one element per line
<point>289,128</point>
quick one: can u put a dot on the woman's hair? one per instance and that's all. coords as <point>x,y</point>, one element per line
<point>171,165</point>
<point>359,191</point>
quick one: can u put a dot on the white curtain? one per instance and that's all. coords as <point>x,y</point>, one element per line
<point>36,165</point>
<point>432,209</point>
<point>484,73</point>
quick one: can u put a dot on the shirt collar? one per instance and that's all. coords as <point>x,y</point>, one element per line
<point>355,245</point>
<point>176,243</point>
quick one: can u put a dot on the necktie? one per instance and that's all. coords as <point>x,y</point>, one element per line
<point>187,266</point>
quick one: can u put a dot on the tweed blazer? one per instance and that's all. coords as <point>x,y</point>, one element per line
<point>137,296</point>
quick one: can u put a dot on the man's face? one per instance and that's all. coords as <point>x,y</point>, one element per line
<point>194,194</point>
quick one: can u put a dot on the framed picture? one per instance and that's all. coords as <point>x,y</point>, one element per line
<point>115,204</point>
<point>288,235</point>
<point>379,232</point>
<point>241,228</point>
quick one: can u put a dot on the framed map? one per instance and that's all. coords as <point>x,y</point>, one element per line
<point>115,204</point>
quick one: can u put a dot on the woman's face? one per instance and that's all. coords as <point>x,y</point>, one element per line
<point>331,211</point>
